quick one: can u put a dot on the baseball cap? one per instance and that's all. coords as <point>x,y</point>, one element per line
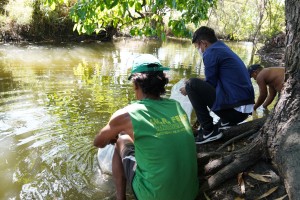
<point>253,68</point>
<point>146,63</point>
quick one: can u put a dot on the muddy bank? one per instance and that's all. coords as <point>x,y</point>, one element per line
<point>272,53</point>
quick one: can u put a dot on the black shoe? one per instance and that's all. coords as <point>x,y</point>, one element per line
<point>206,136</point>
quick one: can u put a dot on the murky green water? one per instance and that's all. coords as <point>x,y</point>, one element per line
<point>54,99</point>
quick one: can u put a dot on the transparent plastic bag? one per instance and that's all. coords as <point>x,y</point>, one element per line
<point>105,158</point>
<point>183,100</point>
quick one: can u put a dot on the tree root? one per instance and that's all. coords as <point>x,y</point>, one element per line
<point>215,165</point>
<point>205,157</point>
<point>221,166</point>
<point>231,165</point>
<point>246,134</point>
<point>242,128</point>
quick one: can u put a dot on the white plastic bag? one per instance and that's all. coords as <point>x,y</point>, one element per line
<point>105,158</point>
<point>183,100</point>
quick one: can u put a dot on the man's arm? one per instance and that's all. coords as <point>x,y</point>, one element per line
<point>263,91</point>
<point>119,122</point>
<point>270,98</point>
<point>210,69</point>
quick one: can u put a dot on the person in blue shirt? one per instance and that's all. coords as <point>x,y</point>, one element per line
<point>227,89</point>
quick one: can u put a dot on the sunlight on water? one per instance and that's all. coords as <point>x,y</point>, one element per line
<point>54,99</point>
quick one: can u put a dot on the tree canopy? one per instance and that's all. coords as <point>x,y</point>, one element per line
<point>237,20</point>
<point>141,17</point>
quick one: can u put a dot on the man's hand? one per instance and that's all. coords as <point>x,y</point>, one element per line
<point>119,122</point>
<point>183,91</point>
<point>254,114</point>
<point>113,141</point>
<point>266,112</point>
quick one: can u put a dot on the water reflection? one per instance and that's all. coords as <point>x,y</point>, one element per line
<point>53,100</point>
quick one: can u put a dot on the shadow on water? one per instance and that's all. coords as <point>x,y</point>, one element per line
<point>54,99</point>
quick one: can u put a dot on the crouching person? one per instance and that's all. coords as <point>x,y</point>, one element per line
<point>155,150</point>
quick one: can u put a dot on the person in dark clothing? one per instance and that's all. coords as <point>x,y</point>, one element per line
<point>227,89</point>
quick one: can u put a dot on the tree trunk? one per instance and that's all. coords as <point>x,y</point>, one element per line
<point>282,128</point>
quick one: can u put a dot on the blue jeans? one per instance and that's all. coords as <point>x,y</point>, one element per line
<point>202,96</point>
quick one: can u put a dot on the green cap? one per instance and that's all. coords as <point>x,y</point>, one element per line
<point>144,63</point>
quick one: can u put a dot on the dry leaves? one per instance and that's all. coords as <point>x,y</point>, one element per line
<point>267,193</point>
<point>206,197</point>
<point>259,177</point>
<point>241,182</point>
<point>281,198</point>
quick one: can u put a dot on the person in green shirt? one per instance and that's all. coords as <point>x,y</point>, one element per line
<point>155,150</point>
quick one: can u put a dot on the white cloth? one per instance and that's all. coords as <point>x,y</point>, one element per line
<point>245,108</point>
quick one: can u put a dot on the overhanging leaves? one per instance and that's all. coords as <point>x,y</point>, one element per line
<point>149,16</point>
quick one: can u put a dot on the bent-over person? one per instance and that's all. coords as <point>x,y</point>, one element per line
<point>270,82</point>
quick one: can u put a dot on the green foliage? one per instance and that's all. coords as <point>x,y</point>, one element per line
<point>30,20</point>
<point>47,23</point>
<point>248,19</point>
<point>2,5</point>
<point>141,17</point>
<point>236,20</point>
<point>17,12</point>
<point>275,22</point>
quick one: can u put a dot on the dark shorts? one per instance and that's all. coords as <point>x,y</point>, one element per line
<point>129,163</point>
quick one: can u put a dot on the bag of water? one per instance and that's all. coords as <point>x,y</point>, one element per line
<point>105,158</point>
<point>183,100</point>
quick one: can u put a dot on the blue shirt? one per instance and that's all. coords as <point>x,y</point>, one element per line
<point>225,71</point>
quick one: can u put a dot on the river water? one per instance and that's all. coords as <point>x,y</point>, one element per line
<point>54,99</point>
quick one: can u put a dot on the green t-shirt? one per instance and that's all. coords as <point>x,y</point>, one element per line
<point>165,151</point>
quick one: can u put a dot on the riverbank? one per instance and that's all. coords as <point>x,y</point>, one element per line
<point>272,53</point>
<point>71,86</point>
